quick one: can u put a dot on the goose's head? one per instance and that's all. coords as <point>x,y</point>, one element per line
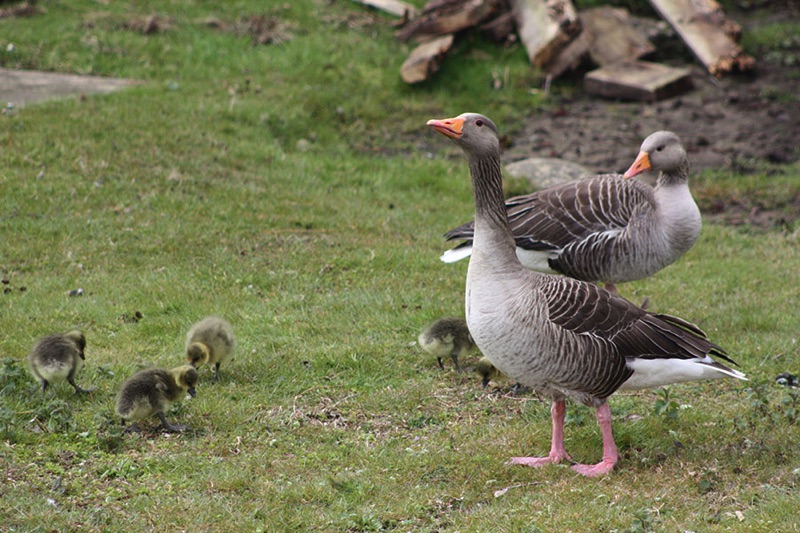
<point>80,341</point>
<point>661,151</point>
<point>186,377</point>
<point>474,133</point>
<point>486,370</point>
<point>197,354</point>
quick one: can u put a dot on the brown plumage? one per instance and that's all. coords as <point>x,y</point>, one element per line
<point>57,358</point>
<point>606,228</point>
<point>563,337</point>
<point>151,392</point>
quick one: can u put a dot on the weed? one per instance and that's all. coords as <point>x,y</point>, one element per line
<point>665,405</point>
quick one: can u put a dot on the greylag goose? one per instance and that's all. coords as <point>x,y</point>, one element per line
<point>210,341</point>
<point>57,358</point>
<point>446,337</point>
<point>151,392</point>
<point>606,228</point>
<point>563,337</point>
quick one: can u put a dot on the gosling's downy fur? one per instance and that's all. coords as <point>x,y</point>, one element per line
<point>486,370</point>
<point>210,341</point>
<point>57,358</point>
<point>446,337</point>
<point>151,392</point>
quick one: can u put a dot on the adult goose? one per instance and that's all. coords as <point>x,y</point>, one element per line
<point>606,228</point>
<point>563,337</point>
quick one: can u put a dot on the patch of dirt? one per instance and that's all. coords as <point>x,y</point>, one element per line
<point>720,122</point>
<point>25,9</point>
<point>733,123</point>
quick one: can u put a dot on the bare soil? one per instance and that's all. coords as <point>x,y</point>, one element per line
<point>721,122</point>
<point>740,122</point>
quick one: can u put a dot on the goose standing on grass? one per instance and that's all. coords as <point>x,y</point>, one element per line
<point>57,358</point>
<point>151,391</point>
<point>606,228</point>
<point>446,337</point>
<point>563,337</point>
<point>210,341</point>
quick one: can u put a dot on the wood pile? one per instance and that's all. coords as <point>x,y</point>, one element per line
<point>558,38</point>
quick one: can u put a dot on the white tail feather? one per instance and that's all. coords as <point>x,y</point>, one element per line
<point>456,254</point>
<point>650,373</point>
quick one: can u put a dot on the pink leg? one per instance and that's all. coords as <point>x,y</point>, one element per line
<point>557,450</point>
<point>610,454</point>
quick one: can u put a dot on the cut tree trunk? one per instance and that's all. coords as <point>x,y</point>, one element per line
<point>546,27</point>
<point>442,17</point>
<point>637,80</point>
<point>707,32</point>
<point>424,59</point>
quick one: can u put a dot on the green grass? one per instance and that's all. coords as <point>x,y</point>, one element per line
<point>309,210</point>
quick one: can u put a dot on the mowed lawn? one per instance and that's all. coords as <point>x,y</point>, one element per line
<point>294,189</point>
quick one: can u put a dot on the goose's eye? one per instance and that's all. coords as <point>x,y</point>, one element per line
<point>660,148</point>
<point>479,123</point>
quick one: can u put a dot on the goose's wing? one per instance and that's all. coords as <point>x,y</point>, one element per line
<point>585,309</point>
<point>553,218</point>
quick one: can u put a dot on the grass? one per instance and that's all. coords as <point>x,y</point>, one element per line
<point>293,189</point>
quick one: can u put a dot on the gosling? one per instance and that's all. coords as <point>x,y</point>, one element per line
<point>446,336</point>
<point>151,392</point>
<point>486,370</point>
<point>56,358</point>
<point>210,341</point>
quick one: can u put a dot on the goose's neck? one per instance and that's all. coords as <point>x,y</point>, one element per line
<point>492,233</point>
<point>677,176</point>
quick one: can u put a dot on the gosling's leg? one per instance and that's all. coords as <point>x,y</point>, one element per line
<point>79,390</point>
<point>173,428</point>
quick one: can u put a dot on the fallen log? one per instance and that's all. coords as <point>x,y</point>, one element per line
<point>545,27</point>
<point>424,60</point>
<point>637,80</point>
<point>443,17</point>
<point>707,32</point>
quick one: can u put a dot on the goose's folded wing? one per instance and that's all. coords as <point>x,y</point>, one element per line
<point>555,217</point>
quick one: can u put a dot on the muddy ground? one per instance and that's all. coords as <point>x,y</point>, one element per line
<point>722,122</point>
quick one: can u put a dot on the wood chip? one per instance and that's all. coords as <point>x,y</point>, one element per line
<point>545,27</point>
<point>424,59</point>
<point>707,32</point>
<point>614,37</point>
<point>445,16</point>
<point>393,7</point>
<point>637,80</point>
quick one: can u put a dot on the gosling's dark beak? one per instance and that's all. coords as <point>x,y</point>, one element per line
<point>485,381</point>
<point>192,392</point>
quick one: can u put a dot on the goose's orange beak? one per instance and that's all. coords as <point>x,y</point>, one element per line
<point>641,164</point>
<point>450,127</point>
